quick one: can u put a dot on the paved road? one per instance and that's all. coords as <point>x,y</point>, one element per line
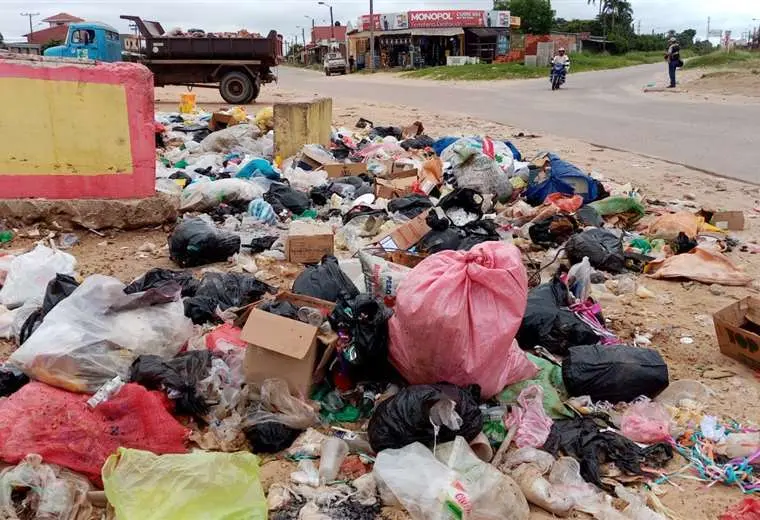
<point>606,108</point>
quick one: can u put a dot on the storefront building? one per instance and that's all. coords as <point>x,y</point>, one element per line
<point>417,39</point>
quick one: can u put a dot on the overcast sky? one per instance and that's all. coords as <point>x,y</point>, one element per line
<point>287,15</point>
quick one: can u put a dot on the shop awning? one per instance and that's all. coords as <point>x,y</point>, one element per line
<point>438,31</point>
<point>485,32</point>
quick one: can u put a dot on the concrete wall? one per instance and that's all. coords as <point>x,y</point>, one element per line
<point>299,123</point>
<point>72,129</point>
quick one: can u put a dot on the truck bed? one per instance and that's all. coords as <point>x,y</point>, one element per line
<point>160,47</point>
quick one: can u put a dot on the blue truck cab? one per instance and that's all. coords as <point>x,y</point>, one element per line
<point>90,41</point>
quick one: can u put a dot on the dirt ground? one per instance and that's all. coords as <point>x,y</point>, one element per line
<point>736,86</point>
<point>678,309</point>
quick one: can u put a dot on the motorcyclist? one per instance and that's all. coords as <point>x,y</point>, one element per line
<point>561,58</point>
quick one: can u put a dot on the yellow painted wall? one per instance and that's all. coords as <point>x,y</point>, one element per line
<point>297,124</point>
<point>63,128</point>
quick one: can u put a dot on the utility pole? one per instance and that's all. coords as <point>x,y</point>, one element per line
<point>708,28</point>
<point>332,20</point>
<point>31,27</point>
<point>372,35</point>
<point>639,31</point>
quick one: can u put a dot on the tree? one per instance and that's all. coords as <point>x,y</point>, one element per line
<point>537,15</point>
<point>501,5</point>
<point>686,38</point>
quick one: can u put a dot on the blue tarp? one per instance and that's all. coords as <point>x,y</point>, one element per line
<point>565,178</point>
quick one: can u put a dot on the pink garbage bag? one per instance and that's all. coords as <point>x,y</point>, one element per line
<point>533,425</point>
<point>646,422</point>
<point>456,317</point>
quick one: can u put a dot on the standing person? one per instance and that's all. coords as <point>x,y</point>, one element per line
<point>673,57</point>
<point>351,64</point>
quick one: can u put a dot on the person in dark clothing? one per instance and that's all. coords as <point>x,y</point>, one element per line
<point>351,64</point>
<point>673,57</point>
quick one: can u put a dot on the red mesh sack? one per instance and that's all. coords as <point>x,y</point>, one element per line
<point>747,509</point>
<point>59,426</point>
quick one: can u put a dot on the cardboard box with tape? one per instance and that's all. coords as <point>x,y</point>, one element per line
<point>738,329</point>
<point>309,241</point>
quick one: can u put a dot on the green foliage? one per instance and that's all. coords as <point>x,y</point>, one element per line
<point>50,43</point>
<point>501,5</point>
<point>537,15</point>
<point>721,59</point>
<point>686,38</point>
<point>703,47</point>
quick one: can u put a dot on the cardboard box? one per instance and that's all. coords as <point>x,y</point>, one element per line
<point>730,220</point>
<point>316,158</point>
<point>309,241</point>
<point>287,349</point>
<point>345,170</point>
<point>398,170</point>
<point>394,188</point>
<point>738,331</point>
<point>406,235</point>
<point>220,121</point>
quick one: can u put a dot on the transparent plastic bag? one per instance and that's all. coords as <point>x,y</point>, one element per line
<point>57,494</point>
<point>533,425</point>
<point>30,273</point>
<point>540,458</point>
<point>646,422</point>
<point>333,453</point>
<point>143,486</point>
<point>276,404</point>
<point>96,333</point>
<point>202,196</point>
<point>540,492</point>
<point>579,279</point>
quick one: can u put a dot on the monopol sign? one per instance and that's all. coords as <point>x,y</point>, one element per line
<point>421,19</point>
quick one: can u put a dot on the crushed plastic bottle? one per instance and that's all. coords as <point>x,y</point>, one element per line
<point>105,392</point>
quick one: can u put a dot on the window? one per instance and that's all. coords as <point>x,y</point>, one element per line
<point>84,36</point>
<point>112,36</point>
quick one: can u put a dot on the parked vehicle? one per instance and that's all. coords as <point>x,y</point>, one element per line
<point>558,75</point>
<point>334,62</point>
<point>236,66</point>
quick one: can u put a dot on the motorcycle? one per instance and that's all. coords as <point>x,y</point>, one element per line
<point>558,75</point>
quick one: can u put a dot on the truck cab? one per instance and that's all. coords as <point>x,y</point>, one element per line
<point>90,41</point>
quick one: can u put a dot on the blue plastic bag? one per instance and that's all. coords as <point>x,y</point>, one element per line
<point>564,178</point>
<point>258,168</point>
<point>262,210</point>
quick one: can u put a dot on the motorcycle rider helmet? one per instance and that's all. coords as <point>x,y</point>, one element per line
<point>561,50</point>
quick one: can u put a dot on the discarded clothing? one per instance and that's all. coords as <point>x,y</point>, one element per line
<point>582,439</point>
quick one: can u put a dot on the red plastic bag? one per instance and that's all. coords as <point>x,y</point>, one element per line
<point>747,509</point>
<point>224,338</point>
<point>646,422</point>
<point>456,317</point>
<point>59,426</point>
<point>566,203</point>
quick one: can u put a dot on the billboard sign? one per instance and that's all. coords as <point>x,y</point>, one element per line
<point>496,19</point>
<point>429,19</point>
<point>715,33</point>
<point>364,23</point>
<point>394,21</point>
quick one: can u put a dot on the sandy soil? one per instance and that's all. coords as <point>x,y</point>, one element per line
<point>678,309</point>
<point>735,86</point>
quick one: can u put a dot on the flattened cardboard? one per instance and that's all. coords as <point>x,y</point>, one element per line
<point>335,171</point>
<point>220,121</point>
<point>286,349</point>
<point>395,188</point>
<point>315,159</point>
<point>738,337</point>
<point>308,242</point>
<point>730,220</point>
<point>406,235</point>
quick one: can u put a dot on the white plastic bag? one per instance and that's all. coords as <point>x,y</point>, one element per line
<point>30,273</point>
<point>382,277</point>
<point>203,196</point>
<point>96,333</point>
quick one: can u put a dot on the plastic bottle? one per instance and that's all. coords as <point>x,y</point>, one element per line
<point>333,452</point>
<point>105,392</point>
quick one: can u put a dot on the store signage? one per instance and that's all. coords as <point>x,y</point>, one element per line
<point>425,19</point>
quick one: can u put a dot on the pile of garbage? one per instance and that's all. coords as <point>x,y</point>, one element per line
<point>443,348</point>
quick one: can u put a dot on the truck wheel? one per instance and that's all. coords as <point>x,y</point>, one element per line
<point>236,88</point>
<point>254,95</point>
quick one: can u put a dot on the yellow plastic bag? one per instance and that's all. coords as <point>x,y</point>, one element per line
<point>265,119</point>
<point>143,486</point>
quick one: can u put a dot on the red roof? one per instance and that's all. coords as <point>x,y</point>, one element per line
<point>325,32</point>
<point>62,18</point>
<point>45,35</point>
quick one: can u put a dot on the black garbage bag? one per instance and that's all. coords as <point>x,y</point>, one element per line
<point>386,131</point>
<point>223,291</point>
<point>365,319</point>
<point>553,231</point>
<point>549,323</point>
<point>477,232</point>
<point>603,249</point>
<point>684,244</point>
<point>270,437</point>
<point>177,377</point>
<point>325,281</point>
<point>441,237</point>
<point>159,277</point>
<point>195,242</point>
<point>410,206</point>
<point>583,439</point>
<point>58,289</point>
<point>465,199</point>
<point>283,196</point>
<point>320,195</point>
<point>11,380</point>
<point>261,244</point>
<point>614,373</point>
<point>417,143</point>
<point>406,417</point>
<point>588,216</point>
<point>281,308</point>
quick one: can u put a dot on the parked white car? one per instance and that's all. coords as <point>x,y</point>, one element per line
<point>334,62</point>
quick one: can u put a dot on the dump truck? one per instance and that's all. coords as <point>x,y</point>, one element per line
<point>237,66</point>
